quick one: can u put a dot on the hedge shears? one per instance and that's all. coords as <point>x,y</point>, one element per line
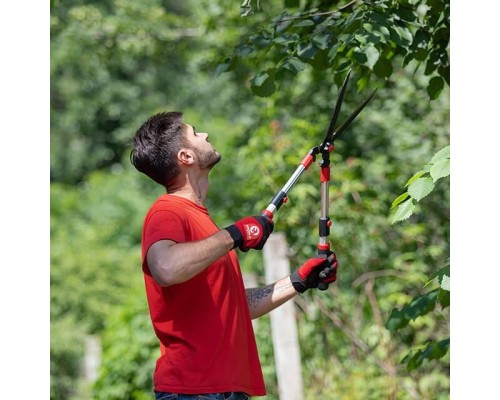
<point>325,148</point>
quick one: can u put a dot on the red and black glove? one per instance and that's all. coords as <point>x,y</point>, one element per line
<point>251,232</point>
<point>317,272</point>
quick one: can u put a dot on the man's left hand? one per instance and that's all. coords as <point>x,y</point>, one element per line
<point>317,272</point>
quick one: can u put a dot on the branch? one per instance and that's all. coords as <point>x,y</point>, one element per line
<point>376,274</point>
<point>364,346</point>
<point>318,14</point>
<point>372,298</point>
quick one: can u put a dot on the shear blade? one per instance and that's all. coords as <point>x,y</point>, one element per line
<point>351,117</point>
<point>336,111</point>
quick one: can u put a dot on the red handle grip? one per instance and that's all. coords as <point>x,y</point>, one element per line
<point>268,214</point>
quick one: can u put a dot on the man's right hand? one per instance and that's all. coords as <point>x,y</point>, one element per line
<point>251,232</point>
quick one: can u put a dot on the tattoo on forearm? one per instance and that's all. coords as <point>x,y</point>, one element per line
<point>255,295</point>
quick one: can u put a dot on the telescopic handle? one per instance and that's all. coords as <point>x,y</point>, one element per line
<point>281,196</point>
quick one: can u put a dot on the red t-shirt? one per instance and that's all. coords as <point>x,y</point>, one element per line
<point>206,337</point>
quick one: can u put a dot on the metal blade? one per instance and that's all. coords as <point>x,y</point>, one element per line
<point>351,117</point>
<point>336,111</point>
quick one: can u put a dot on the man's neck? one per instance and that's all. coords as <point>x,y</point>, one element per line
<point>194,190</point>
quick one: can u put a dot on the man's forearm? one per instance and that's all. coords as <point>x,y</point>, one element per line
<point>265,299</point>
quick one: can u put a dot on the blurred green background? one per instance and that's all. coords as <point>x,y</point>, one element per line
<point>261,79</point>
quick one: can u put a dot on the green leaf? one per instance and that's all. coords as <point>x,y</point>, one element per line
<point>306,51</point>
<point>421,305</point>
<point>360,56</point>
<point>294,64</point>
<point>399,199</point>
<point>420,188</point>
<point>418,307</point>
<point>224,67</point>
<point>322,41</point>
<point>440,169</point>
<point>444,72</point>
<point>415,177</point>
<point>432,351</point>
<point>320,60</point>
<point>292,3</point>
<point>305,22</point>
<point>445,283</point>
<point>442,154</point>
<point>440,274</point>
<point>396,320</point>
<point>444,297</point>
<point>246,8</point>
<point>421,39</point>
<point>333,51</point>
<point>383,67</point>
<point>404,211</point>
<point>363,81</point>
<point>420,54</point>
<point>261,40</point>
<point>259,79</point>
<point>243,50</point>
<point>372,55</point>
<point>401,35</point>
<point>285,39</point>
<point>262,84</point>
<point>435,87</point>
<point>384,34</point>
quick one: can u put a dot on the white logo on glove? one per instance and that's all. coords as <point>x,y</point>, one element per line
<point>253,231</point>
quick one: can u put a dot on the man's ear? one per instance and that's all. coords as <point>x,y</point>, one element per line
<point>186,156</point>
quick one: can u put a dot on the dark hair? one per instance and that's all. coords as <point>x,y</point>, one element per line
<point>156,144</point>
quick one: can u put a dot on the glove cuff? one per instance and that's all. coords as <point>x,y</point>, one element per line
<point>298,283</point>
<point>235,235</point>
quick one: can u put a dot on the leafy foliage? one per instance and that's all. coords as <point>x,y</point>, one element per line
<point>421,184</point>
<point>364,181</point>
<point>84,260</point>
<point>113,64</point>
<point>432,350</point>
<point>95,264</point>
<point>419,306</point>
<point>129,350</point>
<point>66,352</point>
<point>375,38</point>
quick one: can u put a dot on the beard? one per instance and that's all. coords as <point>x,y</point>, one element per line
<point>209,159</point>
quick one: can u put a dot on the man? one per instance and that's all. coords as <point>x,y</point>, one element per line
<point>198,305</point>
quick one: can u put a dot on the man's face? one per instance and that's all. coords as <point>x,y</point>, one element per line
<point>205,152</point>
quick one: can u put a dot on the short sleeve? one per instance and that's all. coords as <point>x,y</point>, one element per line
<point>163,225</point>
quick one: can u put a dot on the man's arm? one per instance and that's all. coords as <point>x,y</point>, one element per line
<point>265,299</point>
<point>317,272</point>
<point>171,263</point>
